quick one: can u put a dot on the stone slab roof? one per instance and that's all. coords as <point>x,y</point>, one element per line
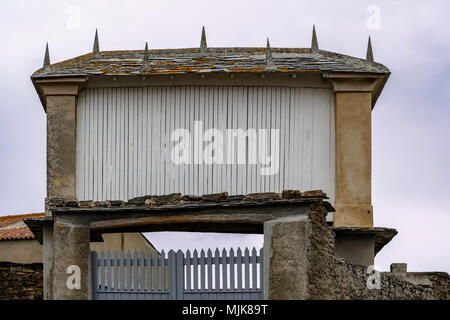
<point>216,60</point>
<point>176,201</point>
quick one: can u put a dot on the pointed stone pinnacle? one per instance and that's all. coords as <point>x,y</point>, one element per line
<point>269,60</point>
<point>96,47</point>
<point>46,57</point>
<point>314,42</point>
<point>369,55</point>
<point>203,45</point>
<point>146,55</point>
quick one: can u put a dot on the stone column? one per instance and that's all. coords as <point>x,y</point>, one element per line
<point>286,244</point>
<point>60,105</point>
<point>59,100</point>
<point>353,122</point>
<point>71,252</point>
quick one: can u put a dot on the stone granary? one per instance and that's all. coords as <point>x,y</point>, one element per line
<point>151,140</point>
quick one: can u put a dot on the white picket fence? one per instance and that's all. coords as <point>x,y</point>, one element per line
<point>181,276</point>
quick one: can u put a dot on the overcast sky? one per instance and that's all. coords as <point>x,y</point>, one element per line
<point>411,149</point>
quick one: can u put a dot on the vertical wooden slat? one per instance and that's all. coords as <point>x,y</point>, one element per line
<point>135,271</point>
<point>108,265</point>
<point>232,265</point>
<point>149,270</point>
<point>142,269</point>
<point>209,264</point>
<point>202,271</point>
<point>172,275</point>
<point>116,272</point>
<point>188,271</point>
<point>224,270</point>
<point>239,273</point>
<point>195,263</point>
<point>122,271</point>
<point>254,269</point>
<point>247,268</point>
<point>128,264</point>
<point>216,270</point>
<point>162,278</point>
<point>102,270</point>
<point>180,275</point>
<point>155,270</point>
<point>224,288</point>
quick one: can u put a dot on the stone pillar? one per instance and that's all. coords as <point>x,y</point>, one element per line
<point>286,244</point>
<point>60,104</point>
<point>59,99</point>
<point>71,252</point>
<point>353,122</point>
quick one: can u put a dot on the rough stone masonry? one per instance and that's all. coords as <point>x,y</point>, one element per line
<point>302,266</point>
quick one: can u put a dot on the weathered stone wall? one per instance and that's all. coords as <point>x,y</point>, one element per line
<point>330,277</point>
<point>21,281</point>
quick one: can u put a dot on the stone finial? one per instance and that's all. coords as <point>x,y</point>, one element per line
<point>46,57</point>
<point>399,267</point>
<point>96,47</point>
<point>269,59</point>
<point>369,55</point>
<point>146,55</point>
<point>203,45</point>
<point>314,42</point>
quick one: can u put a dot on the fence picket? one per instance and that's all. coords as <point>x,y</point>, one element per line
<point>172,275</point>
<point>180,275</point>
<point>216,271</point>
<point>142,266</point>
<point>223,262</point>
<point>246,296</point>
<point>155,270</point>
<point>209,263</point>
<point>239,274</point>
<point>232,265</point>
<point>188,271</point>
<point>128,264</point>
<point>108,266</point>
<point>122,272</point>
<point>116,276</point>
<point>102,270</point>
<point>195,262</point>
<point>149,270</point>
<point>163,271</point>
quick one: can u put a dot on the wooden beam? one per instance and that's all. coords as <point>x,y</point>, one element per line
<point>236,223</point>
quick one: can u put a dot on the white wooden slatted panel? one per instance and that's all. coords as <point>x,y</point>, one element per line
<point>123,139</point>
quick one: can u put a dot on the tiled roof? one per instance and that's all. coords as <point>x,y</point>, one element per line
<point>216,60</point>
<point>13,228</point>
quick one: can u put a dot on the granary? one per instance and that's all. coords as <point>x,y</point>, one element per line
<point>207,139</point>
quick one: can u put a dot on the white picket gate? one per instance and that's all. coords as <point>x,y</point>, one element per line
<point>180,276</point>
